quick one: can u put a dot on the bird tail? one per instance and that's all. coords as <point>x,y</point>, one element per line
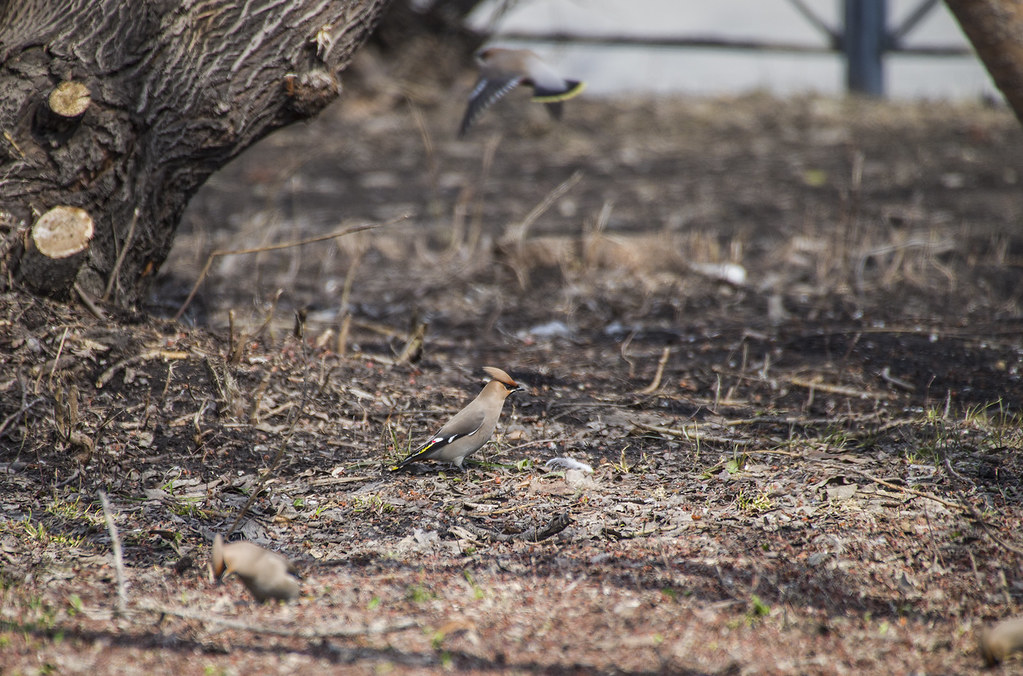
<point>571,89</point>
<point>412,457</point>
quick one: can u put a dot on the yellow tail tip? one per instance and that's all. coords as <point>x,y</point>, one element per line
<point>575,91</point>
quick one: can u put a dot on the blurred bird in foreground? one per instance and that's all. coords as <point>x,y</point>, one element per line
<point>501,70</point>
<point>267,575</point>
<point>471,427</point>
<point>1002,640</point>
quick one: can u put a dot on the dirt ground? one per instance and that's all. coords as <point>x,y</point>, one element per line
<point>785,335</point>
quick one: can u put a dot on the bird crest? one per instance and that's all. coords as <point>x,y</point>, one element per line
<point>500,376</point>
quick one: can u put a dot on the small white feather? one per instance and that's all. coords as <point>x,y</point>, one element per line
<point>567,463</point>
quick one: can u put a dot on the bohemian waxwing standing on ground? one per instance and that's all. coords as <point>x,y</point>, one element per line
<point>472,426</point>
<point>501,70</point>
<point>267,575</point>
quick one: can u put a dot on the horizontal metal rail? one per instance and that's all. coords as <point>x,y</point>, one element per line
<point>701,41</point>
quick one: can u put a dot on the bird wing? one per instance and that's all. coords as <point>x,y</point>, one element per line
<point>490,88</point>
<point>458,427</point>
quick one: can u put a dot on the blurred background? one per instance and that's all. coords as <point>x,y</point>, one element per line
<point>712,138</point>
<point>931,57</point>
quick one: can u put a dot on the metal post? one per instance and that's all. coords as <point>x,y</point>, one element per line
<point>864,45</point>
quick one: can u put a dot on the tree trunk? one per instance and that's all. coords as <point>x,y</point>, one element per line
<point>123,108</point>
<point>995,27</point>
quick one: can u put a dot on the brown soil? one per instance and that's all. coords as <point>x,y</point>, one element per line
<point>824,478</point>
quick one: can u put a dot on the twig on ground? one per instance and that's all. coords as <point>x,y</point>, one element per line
<point>476,225</point>
<point>886,375</point>
<point>775,451</point>
<point>60,351</point>
<point>413,349</point>
<point>284,445</point>
<point>656,382</point>
<point>932,248</point>
<point>948,466</point>
<point>119,261</point>
<point>517,232</point>
<point>797,420</point>
<point>65,482</point>
<point>826,422</point>
<point>335,481</point>
<point>691,433</point>
<point>624,349</point>
<point>651,531</point>
<point>341,345</point>
<point>145,356</point>
<point>742,372</point>
<point>972,511</point>
<point>838,389</point>
<point>534,534</point>
<point>14,416</point>
<point>231,338</point>
<point>274,247</point>
<point>428,146</point>
<point>911,491</point>
<point>115,542</point>
<point>266,321</point>
<point>482,510</point>
<point>267,473</point>
<point>88,302</point>
<point>358,251</point>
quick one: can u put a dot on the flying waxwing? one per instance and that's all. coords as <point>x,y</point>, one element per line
<point>267,575</point>
<point>501,70</point>
<point>472,426</point>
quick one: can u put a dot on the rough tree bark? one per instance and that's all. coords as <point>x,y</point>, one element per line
<point>122,109</point>
<point>995,27</point>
